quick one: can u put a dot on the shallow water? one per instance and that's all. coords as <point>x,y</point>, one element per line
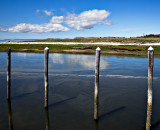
<point>122,99</point>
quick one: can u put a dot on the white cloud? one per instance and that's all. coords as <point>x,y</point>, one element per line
<point>48,13</point>
<point>109,23</point>
<point>57,19</point>
<point>36,28</point>
<point>37,11</point>
<point>87,19</point>
<point>3,29</point>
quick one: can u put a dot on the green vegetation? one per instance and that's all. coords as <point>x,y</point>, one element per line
<point>122,49</point>
<point>19,47</point>
<point>94,40</point>
<point>144,39</point>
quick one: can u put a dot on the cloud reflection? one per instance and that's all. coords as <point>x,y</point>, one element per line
<point>24,54</point>
<point>57,58</point>
<point>86,61</point>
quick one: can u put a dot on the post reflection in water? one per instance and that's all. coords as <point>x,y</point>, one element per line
<point>96,125</point>
<point>10,114</point>
<point>73,79</point>
<point>47,118</point>
<point>8,72</point>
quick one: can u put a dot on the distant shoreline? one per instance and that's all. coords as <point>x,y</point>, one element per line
<point>151,38</point>
<point>136,49</point>
<point>84,43</point>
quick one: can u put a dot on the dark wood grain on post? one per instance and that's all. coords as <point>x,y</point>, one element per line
<point>46,55</point>
<point>8,72</point>
<point>98,51</point>
<point>150,85</point>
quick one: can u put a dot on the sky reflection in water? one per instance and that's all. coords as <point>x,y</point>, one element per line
<point>123,90</point>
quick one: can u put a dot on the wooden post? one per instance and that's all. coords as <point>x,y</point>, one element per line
<point>150,84</point>
<point>150,74</point>
<point>98,51</point>
<point>148,120</point>
<point>10,114</point>
<point>46,55</point>
<point>8,72</point>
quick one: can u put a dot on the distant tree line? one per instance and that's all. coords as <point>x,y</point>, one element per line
<point>152,35</point>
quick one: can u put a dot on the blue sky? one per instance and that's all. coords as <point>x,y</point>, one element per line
<point>32,19</point>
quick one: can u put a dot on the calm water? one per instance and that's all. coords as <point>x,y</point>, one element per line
<point>123,93</point>
<point>12,40</point>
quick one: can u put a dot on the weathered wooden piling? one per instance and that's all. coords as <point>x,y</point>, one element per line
<point>148,120</point>
<point>150,84</point>
<point>150,73</point>
<point>10,114</point>
<point>8,72</point>
<point>46,55</point>
<point>98,51</point>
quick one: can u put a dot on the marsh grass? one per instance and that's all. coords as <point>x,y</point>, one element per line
<point>90,48</point>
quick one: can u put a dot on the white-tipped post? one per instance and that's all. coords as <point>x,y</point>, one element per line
<point>46,55</point>
<point>150,73</point>
<point>150,84</point>
<point>8,72</point>
<point>150,49</point>
<point>98,51</point>
<point>46,48</point>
